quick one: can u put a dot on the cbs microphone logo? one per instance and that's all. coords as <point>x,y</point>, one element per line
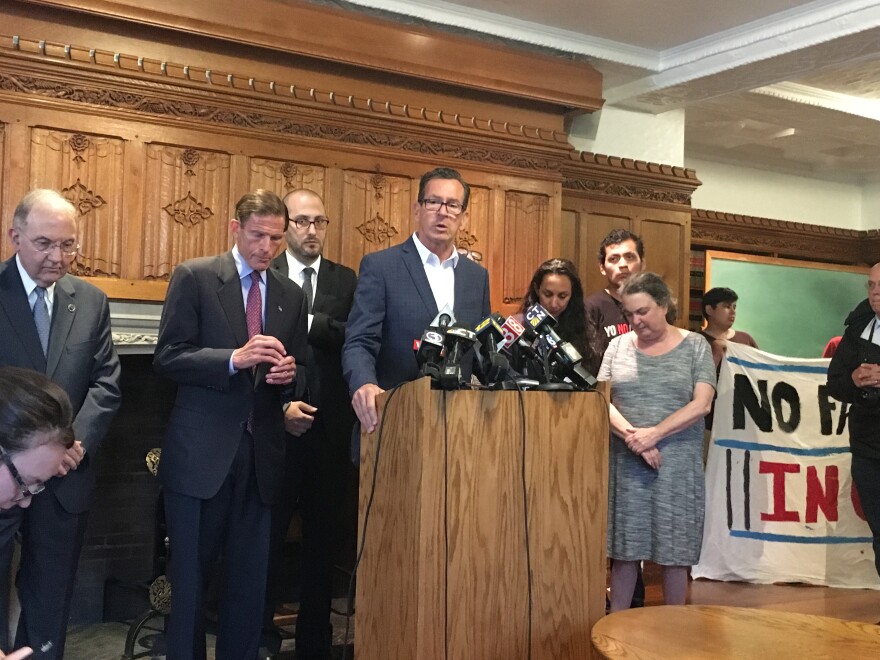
<point>433,337</point>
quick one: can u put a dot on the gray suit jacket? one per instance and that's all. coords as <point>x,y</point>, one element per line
<point>393,305</point>
<point>203,321</point>
<point>81,360</point>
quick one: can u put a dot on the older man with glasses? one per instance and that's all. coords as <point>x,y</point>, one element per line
<point>58,325</point>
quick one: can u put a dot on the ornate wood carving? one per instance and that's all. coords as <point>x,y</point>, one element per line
<point>639,181</point>
<point>282,176</point>
<point>369,45</point>
<point>86,170</point>
<point>525,229</point>
<point>743,233</point>
<point>227,117</point>
<point>472,240</point>
<point>377,207</point>
<point>185,215</point>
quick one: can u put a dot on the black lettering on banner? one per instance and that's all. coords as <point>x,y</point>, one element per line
<point>784,392</point>
<point>745,398</point>
<point>826,406</point>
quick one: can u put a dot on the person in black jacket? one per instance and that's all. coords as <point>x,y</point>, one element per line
<point>854,377</point>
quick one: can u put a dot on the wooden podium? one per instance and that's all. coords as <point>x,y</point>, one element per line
<point>444,572</point>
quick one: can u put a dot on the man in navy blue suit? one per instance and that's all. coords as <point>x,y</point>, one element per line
<point>232,334</point>
<point>402,289</point>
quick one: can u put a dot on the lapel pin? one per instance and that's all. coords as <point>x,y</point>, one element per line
<point>71,307</point>
<point>279,308</point>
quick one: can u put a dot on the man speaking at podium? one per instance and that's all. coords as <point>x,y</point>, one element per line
<point>403,288</point>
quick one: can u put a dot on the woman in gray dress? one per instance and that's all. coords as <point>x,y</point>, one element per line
<point>662,383</point>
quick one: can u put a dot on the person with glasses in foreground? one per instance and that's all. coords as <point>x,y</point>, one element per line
<point>58,325</point>
<point>401,289</point>
<point>35,434</point>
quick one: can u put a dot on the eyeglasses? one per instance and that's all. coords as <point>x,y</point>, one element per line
<point>453,207</point>
<point>68,248</point>
<point>26,490</point>
<point>870,286</point>
<point>303,223</point>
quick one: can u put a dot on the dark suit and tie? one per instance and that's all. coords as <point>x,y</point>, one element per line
<point>223,455</point>
<point>69,341</point>
<point>395,300</point>
<point>321,478</point>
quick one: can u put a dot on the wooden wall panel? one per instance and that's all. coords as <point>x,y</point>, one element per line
<point>669,241</point>
<point>526,230</point>
<point>378,212</point>
<point>282,176</point>
<point>186,206</point>
<point>475,234</point>
<point>89,171</point>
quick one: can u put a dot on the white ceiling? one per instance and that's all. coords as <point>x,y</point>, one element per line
<point>779,84</point>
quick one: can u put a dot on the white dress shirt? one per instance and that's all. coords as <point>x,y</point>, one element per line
<point>441,275</point>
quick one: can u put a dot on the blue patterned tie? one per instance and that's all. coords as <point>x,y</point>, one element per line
<point>41,319</point>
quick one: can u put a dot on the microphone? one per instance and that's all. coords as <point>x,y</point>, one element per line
<point>495,366</point>
<point>429,353</point>
<point>443,320</point>
<point>567,360</point>
<point>458,341</point>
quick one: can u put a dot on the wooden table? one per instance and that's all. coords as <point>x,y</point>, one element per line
<point>708,631</point>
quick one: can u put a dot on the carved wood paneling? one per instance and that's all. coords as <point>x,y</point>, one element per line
<point>623,179</point>
<point>667,247</point>
<point>473,237</point>
<point>282,176</point>
<point>378,212</point>
<point>526,225</point>
<point>372,45</point>
<point>186,206</point>
<point>88,170</point>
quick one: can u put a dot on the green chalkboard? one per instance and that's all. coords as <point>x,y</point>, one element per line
<point>790,307</point>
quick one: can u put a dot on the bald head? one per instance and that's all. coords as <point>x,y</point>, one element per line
<point>308,225</point>
<point>43,233</point>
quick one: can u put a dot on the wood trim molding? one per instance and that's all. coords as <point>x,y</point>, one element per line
<point>732,231</point>
<point>382,45</point>
<point>636,181</point>
<point>104,81</point>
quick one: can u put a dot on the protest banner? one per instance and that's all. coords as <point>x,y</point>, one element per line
<point>780,505</point>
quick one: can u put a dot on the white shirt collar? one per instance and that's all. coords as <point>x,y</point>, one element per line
<point>30,285</point>
<point>429,257</point>
<point>244,270</point>
<point>295,267</point>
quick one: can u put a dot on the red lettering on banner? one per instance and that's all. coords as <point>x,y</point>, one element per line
<point>819,498</point>
<point>779,470</point>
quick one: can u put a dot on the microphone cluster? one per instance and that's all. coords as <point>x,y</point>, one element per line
<point>548,361</point>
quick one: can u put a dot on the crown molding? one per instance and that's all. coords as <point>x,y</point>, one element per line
<point>822,98</point>
<point>134,67</point>
<point>599,175</point>
<point>366,43</point>
<point>757,235</point>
